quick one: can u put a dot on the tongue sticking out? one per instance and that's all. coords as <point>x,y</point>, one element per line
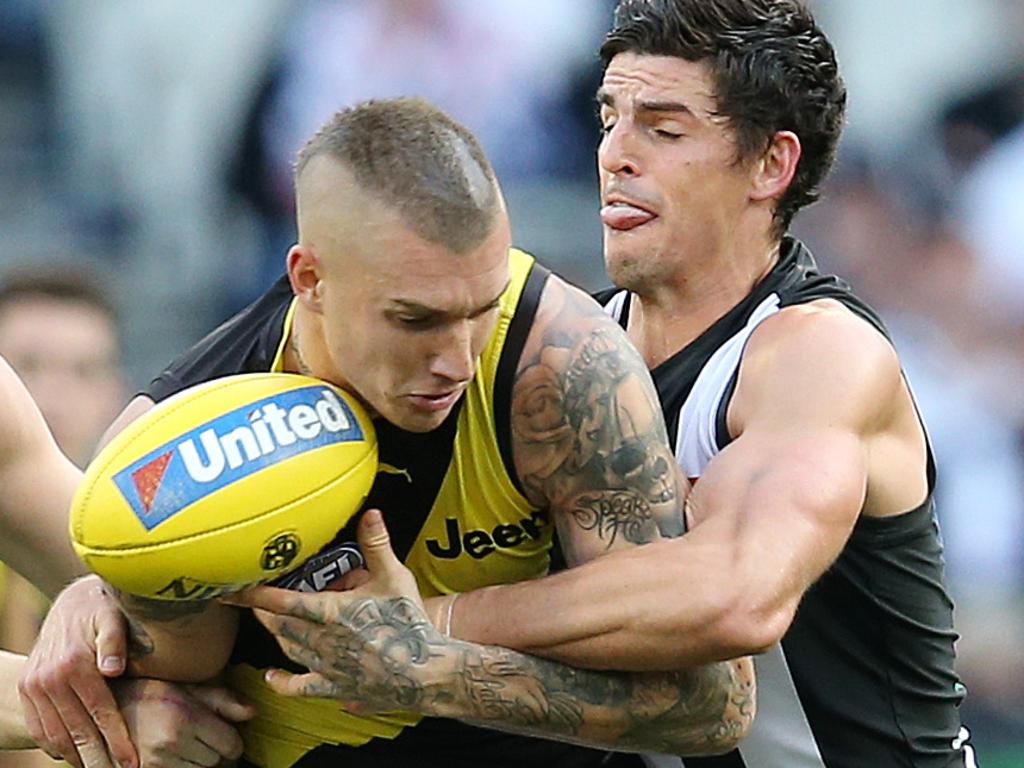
<point>623,217</point>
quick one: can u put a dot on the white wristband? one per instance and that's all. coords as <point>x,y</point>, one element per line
<point>448,615</point>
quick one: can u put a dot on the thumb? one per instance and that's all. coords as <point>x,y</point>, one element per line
<point>375,543</point>
<point>222,702</point>
<point>111,642</point>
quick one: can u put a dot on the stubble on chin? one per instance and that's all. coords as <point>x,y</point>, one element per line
<point>633,272</point>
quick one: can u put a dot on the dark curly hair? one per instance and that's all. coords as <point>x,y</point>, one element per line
<point>772,67</point>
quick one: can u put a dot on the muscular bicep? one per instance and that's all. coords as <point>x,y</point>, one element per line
<point>785,505</point>
<point>588,435</point>
<point>816,392</point>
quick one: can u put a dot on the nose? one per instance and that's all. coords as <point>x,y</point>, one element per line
<point>455,359</point>
<point>616,154</point>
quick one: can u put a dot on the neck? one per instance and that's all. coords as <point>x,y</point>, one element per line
<point>305,351</point>
<point>665,318</point>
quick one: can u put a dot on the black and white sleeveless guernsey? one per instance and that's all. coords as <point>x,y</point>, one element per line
<point>864,677</point>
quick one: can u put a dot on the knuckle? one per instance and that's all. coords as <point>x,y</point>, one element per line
<point>81,740</point>
<point>164,743</point>
<point>66,663</point>
<point>51,682</point>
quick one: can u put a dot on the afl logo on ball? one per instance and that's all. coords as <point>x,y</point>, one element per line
<point>279,552</point>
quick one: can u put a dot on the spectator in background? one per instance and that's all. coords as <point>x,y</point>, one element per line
<point>519,73</point>
<point>58,332</point>
<point>502,67</point>
<point>992,218</point>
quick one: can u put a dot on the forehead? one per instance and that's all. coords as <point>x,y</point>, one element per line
<point>55,331</point>
<point>632,79</point>
<point>395,265</point>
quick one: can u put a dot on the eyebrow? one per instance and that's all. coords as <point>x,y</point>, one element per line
<point>605,98</point>
<point>415,306</point>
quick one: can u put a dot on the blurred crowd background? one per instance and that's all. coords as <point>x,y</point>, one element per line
<point>145,194</point>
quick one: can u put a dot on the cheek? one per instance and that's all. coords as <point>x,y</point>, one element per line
<point>481,334</point>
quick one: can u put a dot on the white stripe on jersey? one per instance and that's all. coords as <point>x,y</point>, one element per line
<point>781,736</point>
<point>696,440</point>
<point>615,305</point>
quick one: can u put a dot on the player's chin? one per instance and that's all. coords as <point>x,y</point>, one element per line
<point>412,418</point>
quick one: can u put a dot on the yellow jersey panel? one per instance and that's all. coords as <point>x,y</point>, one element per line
<point>457,520</point>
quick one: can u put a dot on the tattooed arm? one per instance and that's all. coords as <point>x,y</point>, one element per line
<point>590,446</point>
<point>163,637</point>
<point>588,436</point>
<point>374,649</point>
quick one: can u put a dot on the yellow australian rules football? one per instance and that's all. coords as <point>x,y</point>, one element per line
<point>224,485</point>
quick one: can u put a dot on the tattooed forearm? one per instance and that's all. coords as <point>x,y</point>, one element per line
<point>588,433</point>
<point>694,712</point>
<point>384,653</point>
<point>375,656</point>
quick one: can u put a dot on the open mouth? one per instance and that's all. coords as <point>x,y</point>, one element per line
<point>622,216</point>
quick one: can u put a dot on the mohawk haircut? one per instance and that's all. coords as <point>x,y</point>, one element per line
<point>417,160</point>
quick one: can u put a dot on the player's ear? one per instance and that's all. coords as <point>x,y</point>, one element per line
<point>773,172</point>
<point>304,273</point>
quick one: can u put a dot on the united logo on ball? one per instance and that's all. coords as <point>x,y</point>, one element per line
<point>225,484</point>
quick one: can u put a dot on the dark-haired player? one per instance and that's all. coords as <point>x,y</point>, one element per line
<point>815,541</point>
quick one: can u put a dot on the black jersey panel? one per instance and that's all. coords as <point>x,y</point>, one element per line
<point>451,744</point>
<point>871,650</point>
<point>245,343</point>
<point>504,379</point>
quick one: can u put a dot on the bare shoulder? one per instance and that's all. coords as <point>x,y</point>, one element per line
<point>588,436</point>
<point>820,356</point>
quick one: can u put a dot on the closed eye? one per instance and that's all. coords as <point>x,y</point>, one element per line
<point>417,321</point>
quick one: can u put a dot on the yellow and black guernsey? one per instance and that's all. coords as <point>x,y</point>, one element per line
<point>457,518</point>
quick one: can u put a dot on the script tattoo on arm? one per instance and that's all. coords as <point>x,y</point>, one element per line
<point>588,435</point>
<point>384,651</point>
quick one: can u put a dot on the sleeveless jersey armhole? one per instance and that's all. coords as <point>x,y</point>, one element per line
<point>518,331</point>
